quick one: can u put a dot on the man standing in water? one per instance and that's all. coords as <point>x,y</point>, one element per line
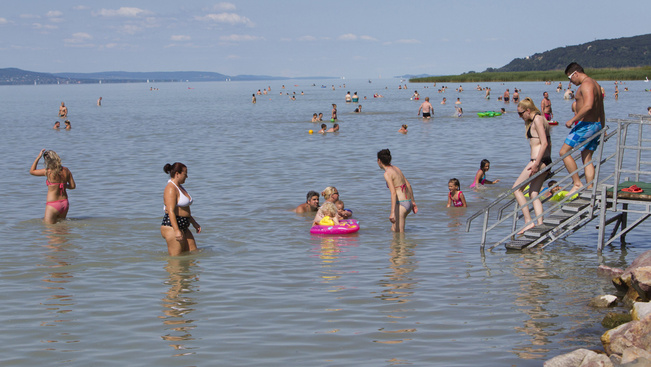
<point>546,107</point>
<point>63,110</point>
<point>588,120</point>
<point>427,109</point>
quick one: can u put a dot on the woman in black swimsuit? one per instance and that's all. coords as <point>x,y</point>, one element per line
<point>537,132</point>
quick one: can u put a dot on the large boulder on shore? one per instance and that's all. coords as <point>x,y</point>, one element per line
<point>636,357</point>
<point>623,283</point>
<point>641,310</point>
<point>641,282</point>
<point>633,334</point>
<point>603,301</point>
<point>579,357</point>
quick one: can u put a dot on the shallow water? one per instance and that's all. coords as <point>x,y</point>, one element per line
<point>263,291</point>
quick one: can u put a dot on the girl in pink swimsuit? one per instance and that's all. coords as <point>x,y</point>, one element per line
<point>456,197</point>
<point>57,179</point>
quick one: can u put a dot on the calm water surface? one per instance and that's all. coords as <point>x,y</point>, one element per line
<point>99,288</point>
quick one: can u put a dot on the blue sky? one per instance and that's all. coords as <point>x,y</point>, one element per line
<point>295,38</point>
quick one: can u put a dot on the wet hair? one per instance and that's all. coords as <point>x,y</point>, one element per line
<point>173,169</point>
<point>329,209</point>
<point>323,126</point>
<point>328,191</point>
<point>384,156</point>
<point>551,183</point>
<point>404,126</point>
<point>572,67</point>
<point>339,202</point>
<point>455,182</point>
<point>483,163</point>
<point>335,125</point>
<point>52,162</point>
<point>311,194</point>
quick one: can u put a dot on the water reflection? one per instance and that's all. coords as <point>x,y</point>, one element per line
<point>398,286</point>
<point>60,302</point>
<point>331,250</point>
<point>178,303</point>
<point>531,299</point>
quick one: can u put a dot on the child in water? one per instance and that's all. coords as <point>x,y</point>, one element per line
<point>330,218</point>
<point>324,127</point>
<point>456,197</point>
<point>480,176</point>
<point>549,191</point>
<point>403,129</point>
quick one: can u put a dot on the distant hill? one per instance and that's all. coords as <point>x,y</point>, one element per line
<point>14,76</point>
<point>611,53</point>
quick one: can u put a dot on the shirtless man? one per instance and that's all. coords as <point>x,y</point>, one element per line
<point>506,95</point>
<point>516,96</point>
<point>427,109</point>
<point>588,120</point>
<point>63,110</point>
<point>310,205</point>
<point>546,107</point>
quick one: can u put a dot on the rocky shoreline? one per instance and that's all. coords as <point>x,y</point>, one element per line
<point>629,343</point>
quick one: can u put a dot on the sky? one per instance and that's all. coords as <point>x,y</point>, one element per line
<point>302,38</point>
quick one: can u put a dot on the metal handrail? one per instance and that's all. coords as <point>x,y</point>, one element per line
<point>486,210</point>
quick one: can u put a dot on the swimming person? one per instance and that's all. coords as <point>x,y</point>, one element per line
<point>329,218</point>
<point>311,204</point>
<point>455,196</point>
<point>480,176</point>
<point>324,127</point>
<point>57,125</point>
<point>58,179</point>
<point>402,196</point>
<point>177,220</point>
<point>333,129</point>
<point>403,129</point>
<point>331,195</point>
<point>68,125</point>
<point>537,132</point>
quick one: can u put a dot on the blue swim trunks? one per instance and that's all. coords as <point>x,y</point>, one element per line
<point>581,132</point>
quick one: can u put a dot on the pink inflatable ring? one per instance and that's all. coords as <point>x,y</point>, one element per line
<point>345,226</point>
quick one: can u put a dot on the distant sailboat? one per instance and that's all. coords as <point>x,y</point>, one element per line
<point>647,79</point>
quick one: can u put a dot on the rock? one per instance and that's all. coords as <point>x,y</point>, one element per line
<point>632,334</point>
<point>614,319</point>
<point>603,301</point>
<point>623,282</point>
<point>636,355</point>
<point>640,310</point>
<point>609,272</point>
<point>641,282</point>
<point>579,357</point>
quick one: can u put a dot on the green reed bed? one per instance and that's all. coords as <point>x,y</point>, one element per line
<point>532,76</point>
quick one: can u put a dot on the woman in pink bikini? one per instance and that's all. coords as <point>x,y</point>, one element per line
<point>175,227</point>
<point>58,179</point>
<point>402,197</point>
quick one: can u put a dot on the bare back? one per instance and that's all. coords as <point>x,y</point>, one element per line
<point>590,102</point>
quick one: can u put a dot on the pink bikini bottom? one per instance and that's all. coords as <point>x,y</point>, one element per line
<point>60,205</point>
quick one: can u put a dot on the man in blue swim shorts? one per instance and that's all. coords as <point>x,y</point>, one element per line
<point>588,120</point>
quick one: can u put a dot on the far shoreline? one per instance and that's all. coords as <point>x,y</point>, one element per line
<point>638,73</point>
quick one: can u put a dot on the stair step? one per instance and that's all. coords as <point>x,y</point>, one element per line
<point>517,244</point>
<point>538,231</point>
<point>575,206</point>
<point>556,219</point>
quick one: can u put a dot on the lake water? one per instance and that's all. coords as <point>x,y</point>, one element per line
<point>99,288</point>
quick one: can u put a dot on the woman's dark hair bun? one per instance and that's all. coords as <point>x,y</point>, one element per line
<point>167,168</point>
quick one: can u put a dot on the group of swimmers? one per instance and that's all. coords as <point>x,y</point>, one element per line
<point>57,125</point>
